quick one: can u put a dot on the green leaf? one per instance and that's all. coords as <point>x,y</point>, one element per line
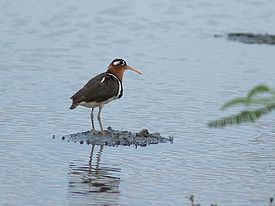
<point>244,116</point>
<point>257,90</point>
<point>237,101</point>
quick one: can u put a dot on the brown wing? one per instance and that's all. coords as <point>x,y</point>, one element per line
<point>97,91</point>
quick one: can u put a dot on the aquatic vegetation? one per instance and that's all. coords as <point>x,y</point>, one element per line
<point>250,38</point>
<point>192,200</point>
<point>259,101</point>
<point>271,201</point>
<point>193,203</point>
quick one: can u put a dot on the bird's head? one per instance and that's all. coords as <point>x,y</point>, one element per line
<point>118,66</point>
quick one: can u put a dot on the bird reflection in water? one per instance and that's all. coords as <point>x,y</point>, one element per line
<point>92,184</point>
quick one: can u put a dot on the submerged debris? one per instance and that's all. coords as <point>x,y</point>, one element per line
<point>250,38</point>
<point>115,138</point>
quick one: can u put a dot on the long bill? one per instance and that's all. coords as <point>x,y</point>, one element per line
<point>133,69</point>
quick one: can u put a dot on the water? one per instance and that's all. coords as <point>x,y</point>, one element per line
<point>49,49</point>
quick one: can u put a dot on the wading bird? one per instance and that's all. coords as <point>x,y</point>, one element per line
<point>102,89</point>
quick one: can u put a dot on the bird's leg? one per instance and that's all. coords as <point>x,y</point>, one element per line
<point>92,120</point>
<point>99,120</point>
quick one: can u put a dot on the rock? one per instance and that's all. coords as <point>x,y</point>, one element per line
<point>116,137</point>
<point>143,133</point>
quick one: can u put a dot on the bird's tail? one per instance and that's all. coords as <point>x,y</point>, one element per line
<point>73,106</point>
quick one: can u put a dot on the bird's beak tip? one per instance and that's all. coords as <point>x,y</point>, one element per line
<point>131,68</point>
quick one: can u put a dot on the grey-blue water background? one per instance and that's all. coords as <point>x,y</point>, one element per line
<point>49,49</point>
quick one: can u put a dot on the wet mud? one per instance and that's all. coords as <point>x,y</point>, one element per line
<point>113,138</point>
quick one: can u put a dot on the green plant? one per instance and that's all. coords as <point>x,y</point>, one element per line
<point>261,105</point>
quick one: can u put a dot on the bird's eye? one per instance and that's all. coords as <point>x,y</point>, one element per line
<point>122,63</point>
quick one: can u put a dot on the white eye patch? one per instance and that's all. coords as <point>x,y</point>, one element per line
<point>119,62</point>
<point>116,63</point>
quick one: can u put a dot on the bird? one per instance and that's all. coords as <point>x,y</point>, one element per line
<point>102,89</point>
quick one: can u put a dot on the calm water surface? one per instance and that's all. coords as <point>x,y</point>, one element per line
<point>49,49</point>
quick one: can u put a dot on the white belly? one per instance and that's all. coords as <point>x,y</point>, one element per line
<point>95,104</point>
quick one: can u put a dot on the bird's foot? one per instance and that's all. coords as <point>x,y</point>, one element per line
<point>105,133</point>
<point>93,131</point>
<point>102,132</point>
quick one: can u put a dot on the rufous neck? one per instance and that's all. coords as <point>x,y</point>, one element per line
<point>117,72</point>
